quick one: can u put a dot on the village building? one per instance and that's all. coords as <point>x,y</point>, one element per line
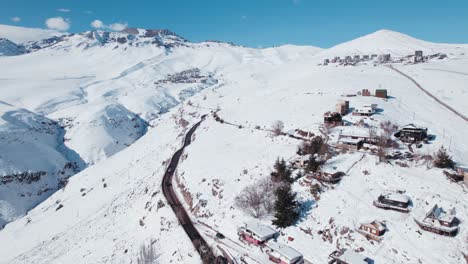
<point>440,222</point>
<point>283,254</point>
<point>365,57</point>
<point>300,162</point>
<point>327,177</point>
<point>356,58</point>
<point>300,134</point>
<point>365,138</point>
<point>381,93</point>
<point>412,133</point>
<point>256,234</point>
<point>373,56</point>
<point>384,58</point>
<point>326,61</point>
<point>342,107</point>
<point>364,110</point>
<point>336,59</point>
<point>348,257</point>
<point>351,143</point>
<point>333,119</point>
<point>394,201</point>
<point>418,56</point>
<point>365,92</point>
<point>373,230</point>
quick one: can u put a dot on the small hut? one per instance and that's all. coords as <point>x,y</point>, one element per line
<point>440,222</point>
<point>393,201</point>
<point>364,111</point>
<point>373,230</point>
<point>381,93</point>
<point>283,254</point>
<point>327,177</point>
<point>351,143</point>
<point>365,92</point>
<point>412,133</point>
<point>348,257</point>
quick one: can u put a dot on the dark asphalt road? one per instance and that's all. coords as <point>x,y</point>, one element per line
<point>198,242</point>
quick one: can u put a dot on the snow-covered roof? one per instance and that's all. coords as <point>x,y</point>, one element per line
<point>440,214</point>
<point>352,257</point>
<point>397,197</point>
<point>263,232</point>
<point>370,105</point>
<point>412,126</point>
<point>284,251</point>
<point>352,141</point>
<point>378,225</point>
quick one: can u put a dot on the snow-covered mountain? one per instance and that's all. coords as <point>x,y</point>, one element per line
<point>8,48</point>
<point>125,100</point>
<point>391,42</point>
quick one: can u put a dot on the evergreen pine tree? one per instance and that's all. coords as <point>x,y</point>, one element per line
<point>313,164</point>
<point>286,207</point>
<point>299,174</point>
<point>281,172</point>
<point>443,159</point>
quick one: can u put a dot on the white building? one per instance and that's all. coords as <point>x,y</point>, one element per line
<point>280,253</point>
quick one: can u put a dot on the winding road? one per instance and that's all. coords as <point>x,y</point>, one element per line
<point>198,242</point>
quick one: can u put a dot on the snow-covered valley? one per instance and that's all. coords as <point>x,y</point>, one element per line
<point>114,107</point>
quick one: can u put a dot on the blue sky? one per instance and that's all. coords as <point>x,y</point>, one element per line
<point>256,23</point>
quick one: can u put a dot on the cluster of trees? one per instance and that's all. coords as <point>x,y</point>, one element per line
<point>272,195</point>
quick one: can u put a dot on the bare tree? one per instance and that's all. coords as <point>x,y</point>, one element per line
<point>277,127</point>
<point>373,134</point>
<point>388,129</point>
<point>148,254</point>
<point>257,199</point>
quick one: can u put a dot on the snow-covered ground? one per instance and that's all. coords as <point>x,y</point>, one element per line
<point>113,204</point>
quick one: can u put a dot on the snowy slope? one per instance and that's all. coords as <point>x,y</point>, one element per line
<point>23,34</point>
<point>113,204</point>
<point>33,160</point>
<point>106,88</point>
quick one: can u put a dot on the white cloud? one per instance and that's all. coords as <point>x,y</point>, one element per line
<point>243,17</point>
<point>16,19</point>
<point>296,2</point>
<point>58,23</point>
<point>118,26</point>
<point>114,26</point>
<point>88,12</point>
<point>97,24</point>
<point>64,10</point>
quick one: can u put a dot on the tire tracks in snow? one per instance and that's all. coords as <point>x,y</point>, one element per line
<point>428,93</point>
